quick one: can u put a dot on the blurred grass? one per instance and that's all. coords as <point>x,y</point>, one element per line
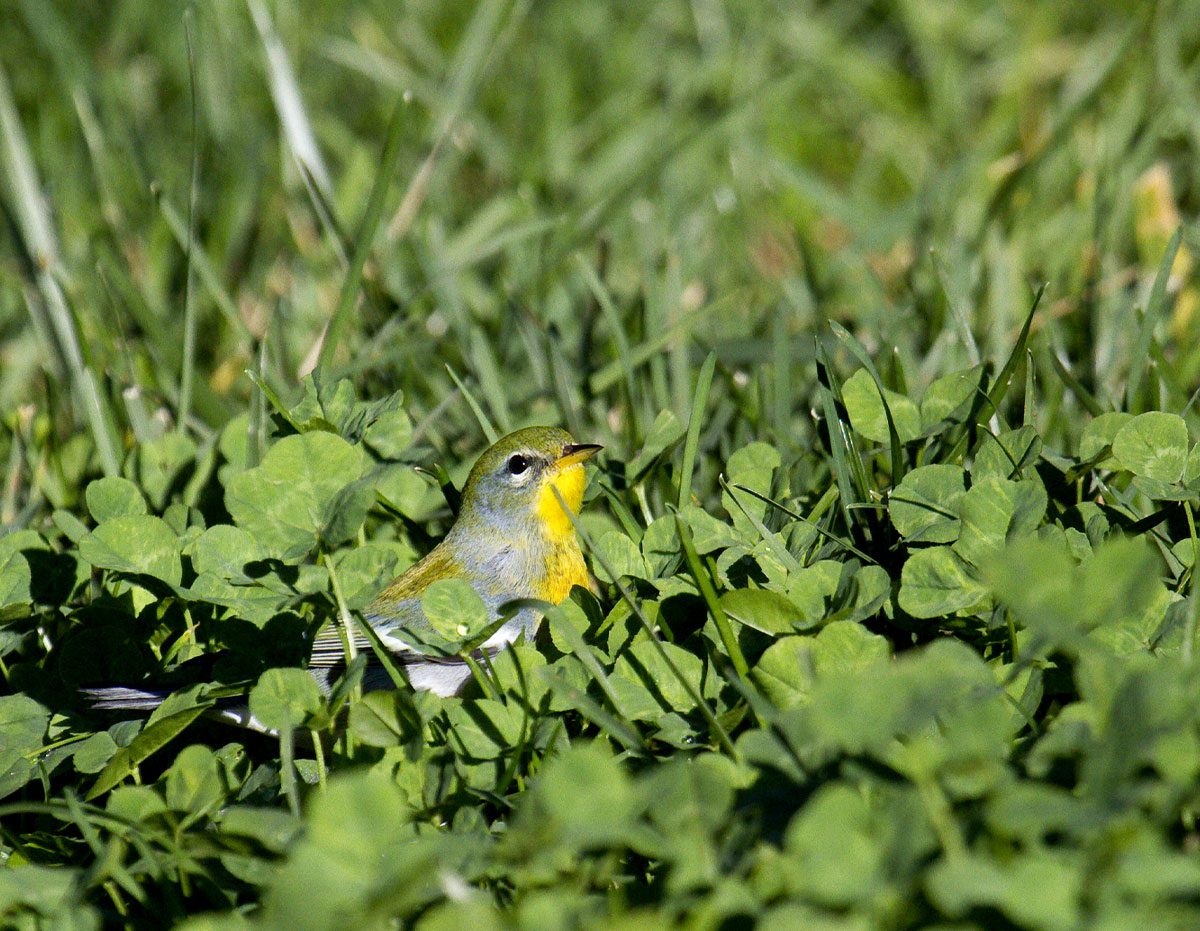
<point>585,201</point>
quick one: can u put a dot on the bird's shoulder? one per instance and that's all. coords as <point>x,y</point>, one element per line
<point>439,563</point>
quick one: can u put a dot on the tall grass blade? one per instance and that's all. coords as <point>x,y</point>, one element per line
<point>289,104</point>
<point>692,440</point>
<point>187,373</point>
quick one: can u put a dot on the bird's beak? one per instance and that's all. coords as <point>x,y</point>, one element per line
<point>576,452</point>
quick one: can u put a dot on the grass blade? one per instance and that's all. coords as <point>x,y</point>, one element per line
<point>709,594</point>
<point>485,423</point>
<point>692,440</point>
<point>285,92</point>
<point>187,373</point>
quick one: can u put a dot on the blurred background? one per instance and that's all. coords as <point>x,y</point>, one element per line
<point>562,206</point>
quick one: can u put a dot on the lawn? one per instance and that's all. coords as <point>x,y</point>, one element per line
<point>887,316</point>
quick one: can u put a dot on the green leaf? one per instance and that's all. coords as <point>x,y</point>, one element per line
<point>583,798</point>
<point>708,533</point>
<point>753,467</point>
<point>1037,889</point>
<point>137,543</point>
<point>194,781</point>
<point>272,828</point>
<point>285,698</point>
<point>812,588</point>
<point>223,551</point>
<point>647,687</point>
<point>362,570</point>
<point>135,803</point>
<point>1153,445</point>
<point>1100,432</point>
<point>950,395</point>
<point>384,719</point>
<point>1061,600</point>
<point>161,465</point>
<point>356,843</point>
<point>484,729</point>
<point>390,434</point>
<point>763,610</point>
<point>836,857</point>
<point>788,670</point>
<point>23,722</point>
<point>618,554</point>
<point>935,582</point>
<point>996,511</point>
<point>454,610</point>
<point>93,754</point>
<point>865,407</point>
<point>924,506</point>
<point>113,496</point>
<point>15,580</point>
<point>344,515</point>
<point>284,502</point>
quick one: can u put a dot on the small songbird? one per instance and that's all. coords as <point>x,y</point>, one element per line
<point>511,540</point>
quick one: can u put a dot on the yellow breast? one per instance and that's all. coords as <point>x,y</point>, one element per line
<point>564,570</point>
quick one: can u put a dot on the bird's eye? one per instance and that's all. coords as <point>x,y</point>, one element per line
<point>517,464</point>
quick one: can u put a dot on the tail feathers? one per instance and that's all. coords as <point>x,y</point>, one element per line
<point>124,698</point>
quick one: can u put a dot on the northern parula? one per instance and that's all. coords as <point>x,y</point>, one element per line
<point>511,540</point>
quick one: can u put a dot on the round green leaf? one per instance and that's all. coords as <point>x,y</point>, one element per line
<point>935,582</point>
<point>947,395</point>
<point>618,556</point>
<point>363,569</point>
<point>224,550</point>
<point>865,407</point>
<point>1153,445</point>
<point>15,580</point>
<point>93,754</point>
<point>194,781</point>
<point>454,609</point>
<point>924,506</point>
<point>113,496</point>
<point>135,543</point>
<point>285,698</point>
<point>22,722</point>
<point>788,670</point>
<point>995,512</point>
<point>284,502</point>
<point>383,719</point>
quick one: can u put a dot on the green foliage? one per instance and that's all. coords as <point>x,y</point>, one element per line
<point>895,623</point>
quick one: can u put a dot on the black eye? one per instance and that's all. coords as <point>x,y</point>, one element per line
<point>517,464</point>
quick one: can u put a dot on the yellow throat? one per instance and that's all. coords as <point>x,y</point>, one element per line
<point>569,480</point>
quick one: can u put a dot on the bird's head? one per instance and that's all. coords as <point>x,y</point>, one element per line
<point>513,483</point>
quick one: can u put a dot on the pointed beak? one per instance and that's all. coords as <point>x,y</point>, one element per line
<point>576,452</point>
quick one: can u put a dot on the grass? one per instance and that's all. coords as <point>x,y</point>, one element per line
<point>680,230</point>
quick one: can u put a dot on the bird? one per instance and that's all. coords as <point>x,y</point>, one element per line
<point>512,541</point>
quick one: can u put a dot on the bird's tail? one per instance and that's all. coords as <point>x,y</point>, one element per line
<point>123,698</point>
